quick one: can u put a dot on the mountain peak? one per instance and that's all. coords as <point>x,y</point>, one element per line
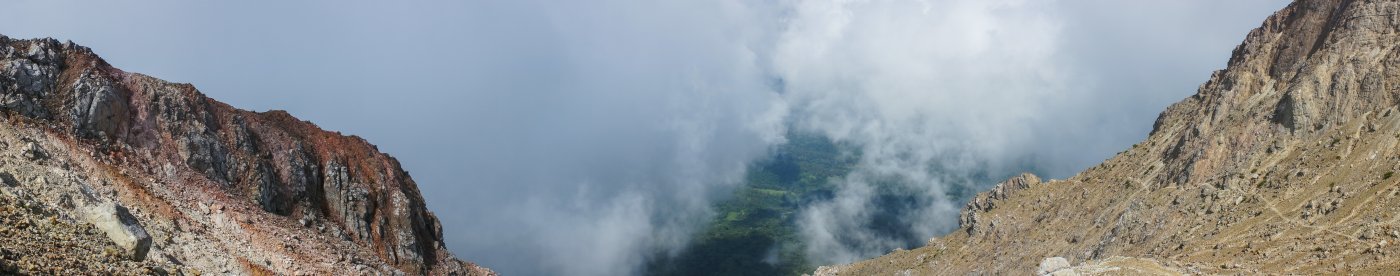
<point>216,188</point>
<point>1281,163</point>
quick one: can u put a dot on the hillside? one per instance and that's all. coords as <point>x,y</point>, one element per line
<point>1283,162</point>
<point>106,171</point>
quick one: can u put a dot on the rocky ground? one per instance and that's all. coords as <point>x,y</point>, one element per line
<point>110,172</point>
<point>38,240</point>
<point>1283,163</point>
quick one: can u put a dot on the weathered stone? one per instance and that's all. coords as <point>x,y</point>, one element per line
<point>8,179</point>
<point>29,78</point>
<point>269,194</point>
<point>833,270</point>
<point>33,151</point>
<point>100,108</point>
<point>121,227</point>
<point>1051,265</point>
<point>984,202</point>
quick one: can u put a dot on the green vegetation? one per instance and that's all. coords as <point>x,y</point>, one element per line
<point>755,232</point>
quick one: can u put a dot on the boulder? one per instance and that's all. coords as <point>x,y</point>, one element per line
<point>121,227</point>
<point>32,151</point>
<point>8,179</point>
<point>1052,265</point>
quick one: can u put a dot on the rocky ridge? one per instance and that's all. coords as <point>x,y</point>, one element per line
<point>1282,163</point>
<point>91,151</point>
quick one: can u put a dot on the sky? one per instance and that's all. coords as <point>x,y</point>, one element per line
<point>579,137</point>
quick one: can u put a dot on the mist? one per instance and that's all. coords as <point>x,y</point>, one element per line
<point>572,138</point>
<point>946,97</point>
<point>935,92</point>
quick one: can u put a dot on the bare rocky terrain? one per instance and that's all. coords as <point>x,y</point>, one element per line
<point>1283,163</point>
<point>109,172</point>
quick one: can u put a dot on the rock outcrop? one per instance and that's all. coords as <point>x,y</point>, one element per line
<point>219,189</point>
<point>1281,163</point>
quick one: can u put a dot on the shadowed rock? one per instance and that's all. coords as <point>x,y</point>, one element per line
<point>121,227</point>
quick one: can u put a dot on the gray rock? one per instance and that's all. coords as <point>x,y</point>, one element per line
<point>30,78</point>
<point>33,151</point>
<point>101,108</point>
<point>268,192</point>
<point>8,179</point>
<point>25,78</point>
<point>349,199</point>
<point>987,201</point>
<point>121,227</point>
<point>204,154</point>
<point>827,271</point>
<point>1051,265</point>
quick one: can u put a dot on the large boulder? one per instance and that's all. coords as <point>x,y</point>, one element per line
<point>121,227</point>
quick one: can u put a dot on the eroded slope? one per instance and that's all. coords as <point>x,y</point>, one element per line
<point>1284,162</point>
<point>217,188</point>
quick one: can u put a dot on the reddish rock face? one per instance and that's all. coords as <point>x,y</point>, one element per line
<point>271,160</point>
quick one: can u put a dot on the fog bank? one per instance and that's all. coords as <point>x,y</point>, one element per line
<point>572,138</point>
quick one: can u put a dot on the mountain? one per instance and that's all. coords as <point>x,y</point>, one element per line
<point>1282,163</point>
<point>111,172</point>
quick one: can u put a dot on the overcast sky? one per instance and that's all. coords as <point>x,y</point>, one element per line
<point>564,136</point>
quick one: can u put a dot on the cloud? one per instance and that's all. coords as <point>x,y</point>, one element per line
<point>557,137</point>
<point>946,97</point>
<point>645,112</point>
<point>936,92</point>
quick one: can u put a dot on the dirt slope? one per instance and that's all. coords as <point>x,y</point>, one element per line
<point>1284,162</point>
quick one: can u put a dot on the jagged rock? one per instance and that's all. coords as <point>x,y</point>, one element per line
<point>987,201</point>
<point>29,77</point>
<point>834,270</point>
<point>26,76</point>
<point>969,217</point>
<point>165,147</point>
<point>121,227</point>
<point>99,109</point>
<point>1280,158</point>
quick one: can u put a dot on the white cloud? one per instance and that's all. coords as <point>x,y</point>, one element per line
<point>934,91</point>
<point>559,137</point>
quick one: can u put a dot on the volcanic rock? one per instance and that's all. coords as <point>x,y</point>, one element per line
<point>76,131</point>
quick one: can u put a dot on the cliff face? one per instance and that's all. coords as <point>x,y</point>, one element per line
<point>217,188</point>
<point>1283,162</point>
